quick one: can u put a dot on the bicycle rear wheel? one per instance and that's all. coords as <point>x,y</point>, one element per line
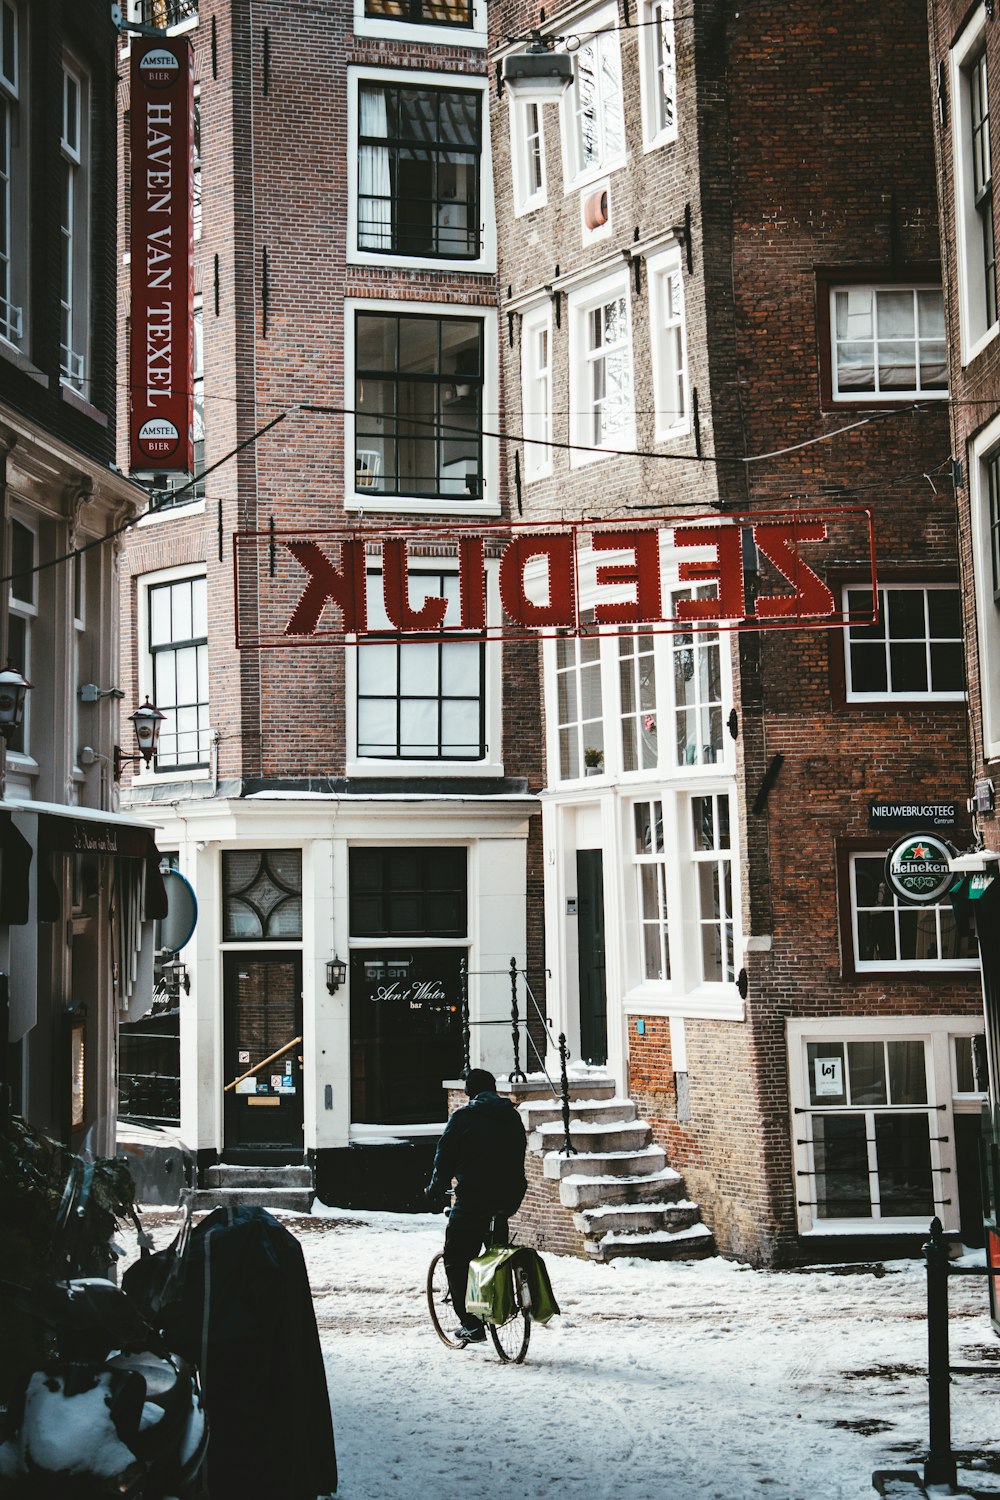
<point>442,1313</point>
<point>510,1339</point>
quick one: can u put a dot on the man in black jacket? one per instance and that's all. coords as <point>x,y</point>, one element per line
<point>482,1148</point>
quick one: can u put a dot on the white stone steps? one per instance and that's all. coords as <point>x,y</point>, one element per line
<point>592,1136</point>
<point>693,1243</point>
<point>636,1218</point>
<point>615,1110</point>
<point>591,1164</point>
<point>580,1191</point>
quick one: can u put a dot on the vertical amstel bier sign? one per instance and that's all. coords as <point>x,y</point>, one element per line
<point>161,130</point>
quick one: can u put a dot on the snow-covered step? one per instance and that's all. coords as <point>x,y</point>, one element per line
<point>683,1244</point>
<point>545,1112</point>
<point>636,1218</point>
<point>592,1136</point>
<point>285,1177</point>
<point>287,1188</point>
<point>579,1190</point>
<point>641,1163</point>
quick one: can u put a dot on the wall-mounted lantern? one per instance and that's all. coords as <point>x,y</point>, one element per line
<point>146,721</point>
<point>336,974</point>
<point>13,686</point>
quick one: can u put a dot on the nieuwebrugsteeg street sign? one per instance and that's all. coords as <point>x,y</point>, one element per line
<point>918,868</point>
<point>912,814</point>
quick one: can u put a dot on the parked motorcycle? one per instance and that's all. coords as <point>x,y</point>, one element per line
<point>110,1409</point>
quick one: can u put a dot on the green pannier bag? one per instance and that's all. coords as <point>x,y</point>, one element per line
<point>490,1291</point>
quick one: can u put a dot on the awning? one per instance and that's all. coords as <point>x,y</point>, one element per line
<point>79,830</point>
<point>15,862</point>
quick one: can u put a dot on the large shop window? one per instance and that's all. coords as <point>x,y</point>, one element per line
<point>261,895</point>
<point>874,1121</point>
<point>419,405</point>
<point>888,934</point>
<point>418,171</point>
<point>683,857</point>
<point>594,108</point>
<point>13,172</point>
<point>915,650</point>
<point>420,699</point>
<point>887,341</point>
<point>178,648</point>
<point>406,988</point>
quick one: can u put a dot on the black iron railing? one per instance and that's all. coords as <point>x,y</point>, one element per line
<point>165,13</point>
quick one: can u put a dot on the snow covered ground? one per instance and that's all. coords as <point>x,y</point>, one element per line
<point>695,1381</point>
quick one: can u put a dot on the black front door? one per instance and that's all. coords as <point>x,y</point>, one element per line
<point>590,955</point>
<point>263,1020</point>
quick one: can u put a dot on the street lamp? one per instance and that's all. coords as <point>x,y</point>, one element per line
<point>539,75</point>
<point>146,721</point>
<point>336,974</point>
<point>13,686</point>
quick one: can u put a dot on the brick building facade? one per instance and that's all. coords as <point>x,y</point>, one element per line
<point>371,804</point>
<point>719,262</point>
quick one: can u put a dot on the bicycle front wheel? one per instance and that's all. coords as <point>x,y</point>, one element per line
<point>442,1313</point>
<point>510,1339</point>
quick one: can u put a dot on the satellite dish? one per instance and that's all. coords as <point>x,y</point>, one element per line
<point>176,927</point>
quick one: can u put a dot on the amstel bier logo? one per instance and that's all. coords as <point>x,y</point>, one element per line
<point>917,868</point>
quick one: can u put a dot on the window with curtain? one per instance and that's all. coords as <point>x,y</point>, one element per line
<point>888,341</point>
<point>418,170</point>
<point>422,12</point>
<point>418,404</point>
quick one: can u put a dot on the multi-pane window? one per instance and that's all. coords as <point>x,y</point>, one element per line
<point>993,504</point>
<point>579,703</point>
<point>651,860</point>
<point>423,12</point>
<point>196,163</point>
<point>527,149</point>
<point>595,104</point>
<point>914,651</point>
<point>870,1129</point>
<point>982,179</point>
<point>712,856</point>
<point>601,371</point>
<point>13,218</point>
<point>73,220</point>
<point>420,698</point>
<point>409,892</point>
<point>888,341</point>
<point>697,684</point>
<point>418,170</point>
<point>418,404</point>
<point>637,693</point>
<point>178,648</point>
<point>890,933</point>
<point>536,391</point>
<point>668,344</point>
<point>658,72</point>
<point>22,617</point>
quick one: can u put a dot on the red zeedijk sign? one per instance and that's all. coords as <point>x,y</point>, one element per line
<point>757,572</point>
<point>161,245</point>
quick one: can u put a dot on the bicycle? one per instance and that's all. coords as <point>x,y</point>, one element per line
<point>510,1339</point>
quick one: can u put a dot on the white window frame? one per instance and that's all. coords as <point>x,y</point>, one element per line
<point>402,32</point>
<point>984,446</point>
<point>536,391</point>
<point>28,611</point>
<point>468,83</point>
<point>74,370</point>
<point>937,1034</point>
<point>148,775</point>
<point>601,28</point>
<point>888,695</point>
<point>492,763</point>
<point>892,906</point>
<point>668,345</point>
<point>360,499</point>
<point>866,398</point>
<point>528,195</point>
<point>974,331</point>
<point>13,183</point>
<point>657,76</point>
<point>583,358</point>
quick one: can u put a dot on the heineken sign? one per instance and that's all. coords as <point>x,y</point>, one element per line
<point>917,868</point>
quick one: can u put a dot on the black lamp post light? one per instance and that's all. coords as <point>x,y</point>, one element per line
<point>336,974</point>
<point>146,721</point>
<point>539,75</point>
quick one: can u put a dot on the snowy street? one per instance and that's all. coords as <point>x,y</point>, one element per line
<point>704,1379</point>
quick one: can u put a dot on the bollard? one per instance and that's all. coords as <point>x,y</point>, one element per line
<point>940,1466</point>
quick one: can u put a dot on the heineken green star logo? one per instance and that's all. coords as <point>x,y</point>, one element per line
<point>918,868</point>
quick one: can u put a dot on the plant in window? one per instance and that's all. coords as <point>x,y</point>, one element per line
<point>593,758</point>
